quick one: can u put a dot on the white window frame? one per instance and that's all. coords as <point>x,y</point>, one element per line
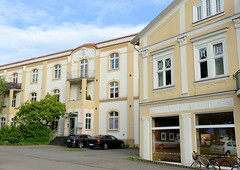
<point>213,9</point>
<point>57,92</point>
<point>113,119</point>
<point>115,87</point>
<point>35,75</point>
<point>158,57</point>
<point>209,42</point>
<point>84,68</point>
<point>88,122</point>
<point>3,121</point>
<point>57,71</point>
<point>114,61</point>
<point>15,77</point>
<point>34,96</point>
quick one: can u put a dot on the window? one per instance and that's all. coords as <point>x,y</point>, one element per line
<point>35,75</point>
<point>57,93</point>
<point>211,60</point>
<point>14,101</point>
<point>54,125</point>
<point>163,72</point>
<point>34,96</point>
<point>88,121</point>
<point>207,8</point>
<point>215,134</point>
<point>15,77</point>
<point>3,121</point>
<point>80,93</point>
<point>114,61</point>
<point>57,71</point>
<point>114,90</point>
<point>113,121</point>
<point>84,68</point>
<point>166,139</point>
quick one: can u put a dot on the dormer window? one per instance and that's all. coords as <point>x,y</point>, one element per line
<point>207,8</point>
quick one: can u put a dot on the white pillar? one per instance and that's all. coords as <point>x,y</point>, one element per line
<point>186,139</point>
<point>145,75</point>
<point>237,27</point>
<point>182,44</point>
<point>145,138</point>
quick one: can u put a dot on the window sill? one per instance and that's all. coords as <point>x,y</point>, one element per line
<point>163,88</point>
<point>212,79</point>
<point>208,18</point>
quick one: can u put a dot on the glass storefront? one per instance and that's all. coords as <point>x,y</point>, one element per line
<point>166,139</point>
<point>216,137</point>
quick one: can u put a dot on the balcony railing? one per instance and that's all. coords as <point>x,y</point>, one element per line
<point>12,85</point>
<point>237,76</point>
<point>79,74</point>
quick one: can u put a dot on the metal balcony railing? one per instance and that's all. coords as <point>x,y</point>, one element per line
<point>80,74</point>
<point>12,85</point>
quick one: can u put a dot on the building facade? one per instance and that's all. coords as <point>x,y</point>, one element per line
<point>97,82</point>
<point>189,55</point>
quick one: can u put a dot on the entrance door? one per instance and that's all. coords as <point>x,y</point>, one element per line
<point>71,126</point>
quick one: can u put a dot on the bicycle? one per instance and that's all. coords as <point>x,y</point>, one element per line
<point>198,163</point>
<point>237,166</point>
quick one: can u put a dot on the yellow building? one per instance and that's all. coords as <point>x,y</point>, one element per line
<point>98,82</point>
<point>188,99</point>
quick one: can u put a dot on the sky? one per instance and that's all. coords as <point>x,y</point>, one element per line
<point>33,28</point>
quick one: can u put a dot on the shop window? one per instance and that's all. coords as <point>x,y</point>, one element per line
<point>216,136</point>
<point>166,139</point>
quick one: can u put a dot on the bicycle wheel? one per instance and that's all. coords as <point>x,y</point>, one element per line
<point>235,167</point>
<point>213,165</point>
<point>196,164</point>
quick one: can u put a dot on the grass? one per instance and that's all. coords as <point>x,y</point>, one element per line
<point>75,150</point>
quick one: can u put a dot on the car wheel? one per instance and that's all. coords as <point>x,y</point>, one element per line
<point>228,153</point>
<point>122,145</point>
<point>105,146</point>
<point>80,145</point>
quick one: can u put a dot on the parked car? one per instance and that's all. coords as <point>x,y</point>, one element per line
<point>105,142</point>
<point>77,141</point>
<point>227,147</point>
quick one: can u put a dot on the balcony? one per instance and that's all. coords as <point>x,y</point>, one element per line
<point>237,76</point>
<point>16,86</point>
<point>76,76</point>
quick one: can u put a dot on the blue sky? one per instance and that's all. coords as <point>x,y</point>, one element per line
<point>32,28</point>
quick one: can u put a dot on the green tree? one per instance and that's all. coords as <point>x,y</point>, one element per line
<point>43,112</point>
<point>3,90</point>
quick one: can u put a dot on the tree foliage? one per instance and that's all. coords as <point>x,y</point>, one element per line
<point>3,90</point>
<point>44,112</point>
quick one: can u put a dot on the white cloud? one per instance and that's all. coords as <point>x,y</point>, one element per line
<point>18,44</point>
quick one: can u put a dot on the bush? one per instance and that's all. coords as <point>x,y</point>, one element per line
<point>32,134</point>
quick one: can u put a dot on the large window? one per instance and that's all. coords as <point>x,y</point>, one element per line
<point>207,8</point>
<point>15,77</point>
<point>211,59</point>
<point>57,71</point>
<point>57,93</point>
<point>114,90</point>
<point>113,121</point>
<point>163,71</point>
<point>84,68</point>
<point>114,61</point>
<point>35,75</point>
<point>166,139</point>
<point>88,122</point>
<point>34,96</point>
<point>3,121</point>
<point>216,136</point>
<point>14,101</point>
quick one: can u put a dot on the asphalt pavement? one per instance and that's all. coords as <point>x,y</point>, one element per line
<point>48,157</point>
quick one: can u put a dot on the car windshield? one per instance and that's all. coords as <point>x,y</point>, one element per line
<point>72,137</point>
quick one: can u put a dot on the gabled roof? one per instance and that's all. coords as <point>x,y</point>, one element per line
<point>135,40</point>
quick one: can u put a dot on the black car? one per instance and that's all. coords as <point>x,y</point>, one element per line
<point>105,142</point>
<point>77,141</point>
